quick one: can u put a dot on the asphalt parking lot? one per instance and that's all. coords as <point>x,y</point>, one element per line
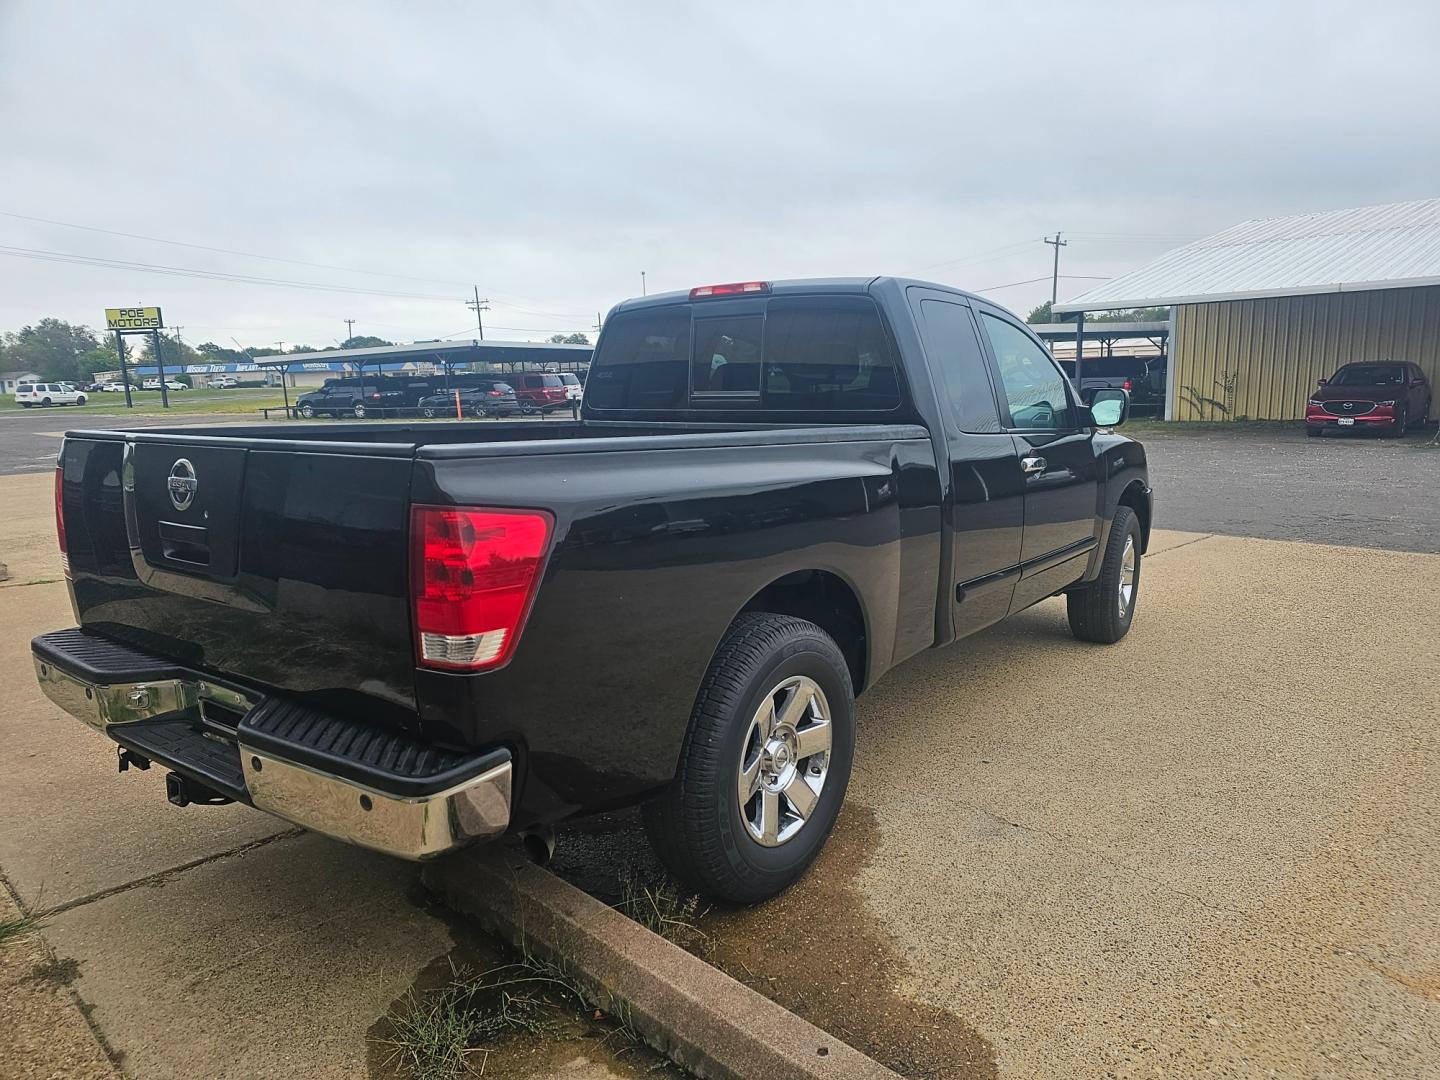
<point>1273,481</point>
<point>1206,851</point>
<point>30,439</point>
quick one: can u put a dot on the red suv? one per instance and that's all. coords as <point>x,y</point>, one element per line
<point>1383,395</point>
<point>540,392</point>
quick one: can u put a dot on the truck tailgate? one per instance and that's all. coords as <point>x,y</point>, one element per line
<point>281,563</point>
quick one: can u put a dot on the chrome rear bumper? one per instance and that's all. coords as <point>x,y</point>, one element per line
<point>411,826</point>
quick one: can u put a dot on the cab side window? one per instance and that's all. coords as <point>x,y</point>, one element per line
<point>1032,384</point>
<point>952,346</point>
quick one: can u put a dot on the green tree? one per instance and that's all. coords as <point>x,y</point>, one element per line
<point>364,341</point>
<point>1041,313</point>
<point>52,348</point>
<point>218,354</point>
<point>1143,314</point>
<point>569,339</point>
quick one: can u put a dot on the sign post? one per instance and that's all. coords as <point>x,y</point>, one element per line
<point>137,320</point>
<point>124,372</point>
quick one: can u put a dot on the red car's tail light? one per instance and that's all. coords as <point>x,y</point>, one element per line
<point>474,572</point>
<point>60,519</point>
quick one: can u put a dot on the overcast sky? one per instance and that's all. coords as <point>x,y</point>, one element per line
<point>549,153</point>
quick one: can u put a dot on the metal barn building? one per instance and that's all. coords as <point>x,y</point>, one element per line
<point>1262,310</point>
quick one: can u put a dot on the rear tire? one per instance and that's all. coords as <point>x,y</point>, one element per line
<point>428,412</point>
<point>1103,610</point>
<point>45,403</point>
<point>358,411</point>
<point>775,715</point>
<point>477,411</point>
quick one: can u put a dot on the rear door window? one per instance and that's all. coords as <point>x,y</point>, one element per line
<point>953,348</point>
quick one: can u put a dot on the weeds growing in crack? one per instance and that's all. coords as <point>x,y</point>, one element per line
<point>662,907</point>
<point>18,926</point>
<point>437,1033</point>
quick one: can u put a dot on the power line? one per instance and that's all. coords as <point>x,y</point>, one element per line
<point>225,251</point>
<point>1033,280</point>
<point>979,256</point>
<point>42,255</point>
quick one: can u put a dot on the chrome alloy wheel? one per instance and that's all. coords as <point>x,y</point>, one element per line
<point>1127,575</point>
<point>785,761</point>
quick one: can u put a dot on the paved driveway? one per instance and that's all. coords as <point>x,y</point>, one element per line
<point>1206,851</point>
<point>1247,481</point>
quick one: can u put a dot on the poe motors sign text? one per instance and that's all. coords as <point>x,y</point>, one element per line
<point>133,318</point>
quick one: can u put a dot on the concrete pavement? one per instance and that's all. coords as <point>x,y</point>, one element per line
<point>209,941</point>
<point>1207,851</point>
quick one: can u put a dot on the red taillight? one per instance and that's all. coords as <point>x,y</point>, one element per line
<point>375,397</point>
<point>496,393</point>
<point>1126,386</point>
<point>735,288</point>
<point>473,574</point>
<point>60,518</point>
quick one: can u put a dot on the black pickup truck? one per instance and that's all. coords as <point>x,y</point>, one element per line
<point>412,637</point>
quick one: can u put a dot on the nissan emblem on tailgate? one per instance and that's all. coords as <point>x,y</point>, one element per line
<point>182,484</point>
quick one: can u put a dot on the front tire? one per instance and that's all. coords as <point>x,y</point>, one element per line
<point>1103,610</point>
<point>80,400</point>
<point>307,411</point>
<point>358,411</point>
<point>765,763</point>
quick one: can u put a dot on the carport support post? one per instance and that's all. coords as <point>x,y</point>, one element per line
<point>160,363</point>
<point>284,389</point>
<point>1079,351</point>
<point>1170,364</point>
<point>124,371</point>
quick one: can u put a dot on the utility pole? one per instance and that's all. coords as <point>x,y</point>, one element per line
<point>280,345</point>
<point>349,329</point>
<point>1057,244</point>
<point>642,284</point>
<point>477,305</point>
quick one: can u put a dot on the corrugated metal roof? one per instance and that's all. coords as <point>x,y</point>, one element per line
<point>1369,247</point>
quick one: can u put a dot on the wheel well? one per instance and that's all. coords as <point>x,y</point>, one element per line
<point>824,599</point>
<point>1134,497</point>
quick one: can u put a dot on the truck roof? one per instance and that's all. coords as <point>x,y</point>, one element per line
<point>795,287</point>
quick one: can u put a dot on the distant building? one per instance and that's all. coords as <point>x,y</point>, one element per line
<point>1262,310</point>
<point>9,380</point>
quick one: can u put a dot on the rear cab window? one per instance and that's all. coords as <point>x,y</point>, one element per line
<point>781,355</point>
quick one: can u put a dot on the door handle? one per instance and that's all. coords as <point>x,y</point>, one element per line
<point>1032,464</point>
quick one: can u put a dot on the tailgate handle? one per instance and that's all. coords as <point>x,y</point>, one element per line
<point>185,543</point>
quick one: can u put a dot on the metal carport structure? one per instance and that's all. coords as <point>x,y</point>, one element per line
<point>446,355</point>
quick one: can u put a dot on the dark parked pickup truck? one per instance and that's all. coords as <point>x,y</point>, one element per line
<point>413,637</point>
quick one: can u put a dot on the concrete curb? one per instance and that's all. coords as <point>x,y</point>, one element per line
<point>694,1013</point>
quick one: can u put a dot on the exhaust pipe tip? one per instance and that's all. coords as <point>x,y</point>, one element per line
<point>539,844</point>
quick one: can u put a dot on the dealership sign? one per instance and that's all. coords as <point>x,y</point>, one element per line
<point>133,318</point>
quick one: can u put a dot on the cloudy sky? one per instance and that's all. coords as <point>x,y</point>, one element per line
<point>550,152</point>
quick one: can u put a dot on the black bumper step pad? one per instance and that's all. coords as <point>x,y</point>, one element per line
<point>387,760</point>
<point>99,660</point>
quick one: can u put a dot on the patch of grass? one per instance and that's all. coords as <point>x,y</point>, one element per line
<point>437,1032</point>
<point>662,907</point>
<point>17,927</point>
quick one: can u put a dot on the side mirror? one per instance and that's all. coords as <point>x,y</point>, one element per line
<point>1323,382</point>
<point>1109,408</point>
